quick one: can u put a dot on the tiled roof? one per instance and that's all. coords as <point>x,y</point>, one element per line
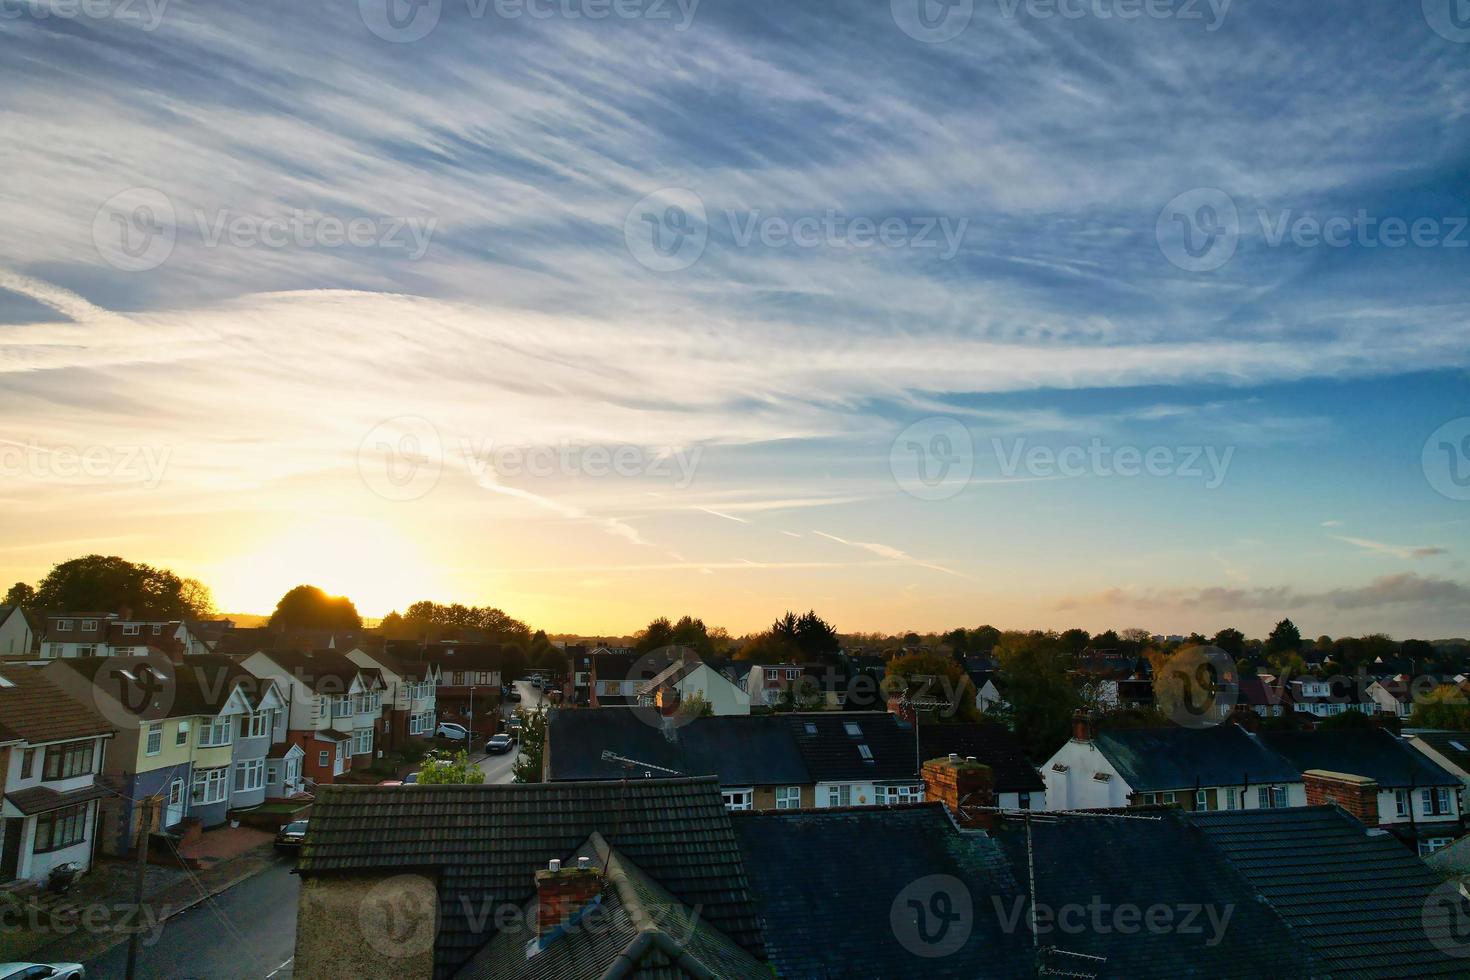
<point>1121,862</point>
<point>460,656</point>
<point>488,841</point>
<point>1454,746</point>
<point>829,883</point>
<point>636,920</point>
<point>324,671</point>
<point>1355,897</point>
<point>832,755</point>
<point>1153,759</point>
<point>1375,753</point>
<point>34,709</point>
<point>742,750</point>
<point>39,799</point>
<point>989,743</point>
<point>201,685</point>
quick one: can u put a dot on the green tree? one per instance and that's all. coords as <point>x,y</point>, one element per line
<point>308,607</point>
<point>933,677</point>
<point>1284,638</point>
<point>1033,669</point>
<point>1445,707</point>
<point>440,769</point>
<point>532,746</point>
<point>1231,640</point>
<point>112,584</point>
<point>1074,641</point>
<point>20,594</point>
<point>695,706</point>
<point>655,636</point>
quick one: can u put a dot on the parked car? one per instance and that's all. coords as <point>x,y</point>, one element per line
<point>291,835</point>
<point>515,731</point>
<point>42,971</point>
<point>411,779</point>
<point>499,744</point>
<point>448,729</point>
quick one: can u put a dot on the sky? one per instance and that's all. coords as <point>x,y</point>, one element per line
<point>1038,313</point>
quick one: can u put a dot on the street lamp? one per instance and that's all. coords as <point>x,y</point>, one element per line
<point>469,731</point>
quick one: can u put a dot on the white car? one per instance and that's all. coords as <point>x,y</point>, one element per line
<point>41,971</point>
<point>446,729</point>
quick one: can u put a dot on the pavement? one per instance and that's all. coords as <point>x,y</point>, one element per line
<point>501,768</point>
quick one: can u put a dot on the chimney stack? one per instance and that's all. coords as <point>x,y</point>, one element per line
<point>562,894</point>
<point>961,786</point>
<point>1358,795</point>
<point>1084,726</point>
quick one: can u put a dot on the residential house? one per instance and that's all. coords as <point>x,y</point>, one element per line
<point>333,708</point>
<point>662,860</point>
<point>1015,781</point>
<point>1222,767</point>
<point>811,685</point>
<point>764,762</point>
<point>409,698</point>
<point>1450,751</point>
<point>1397,695</point>
<point>1326,698</point>
<point>690,678</point>
<point>468,679</point>
<point>1263,696</point>
<point>987,692</point>
<point>70,634</point>
<point>51,747</point>
<point>20,632</point>
<point>577,688</point>
<point>1378,778</point>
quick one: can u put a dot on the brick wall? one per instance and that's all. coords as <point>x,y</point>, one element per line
<point>956,782</point>
<point>561,894</point>
<point>1358,795</point>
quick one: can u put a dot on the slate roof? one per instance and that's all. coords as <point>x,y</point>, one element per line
<point>40,799</point>
<point>990,744</point>
<point>827,883</point>
<point>1154,759</point>
<point>37,711</point>
<point>1375,753</point>
<point>1355,897</point>
<point>201,685</point>
<point>1121,862</point>
<point>741,750</point>
<point>460,656</point>
<point>832,755</point>
<point>635,921</point>
<point>1454,746</point>
<point>328,672</point>
<point>486,842</point>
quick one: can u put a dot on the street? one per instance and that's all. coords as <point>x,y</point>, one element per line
<point>500,768</point>
<point>248,931</point>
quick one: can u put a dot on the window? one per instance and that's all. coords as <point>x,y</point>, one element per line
<point>898,794</point>
<point>157,629</point>
<point>1442,800</point>
<point>68,760</point>
<point>256,725</point>
<point>89,625</point>
<point>788,797</point>
<point>210,785</point>
<point>61,828</point>
<point>738,799</point>
<point>1230,803</point>
<point>155,738</point>
<point>249,775</point>
<point>811,728</point>
<point>362,741</point>
<point>866,753</point>
<point>63,626</point>
<point>130,629</point>
<point>321,758</point>
<point>217,732</point>
<point>1201,800</point>
<point>852,728</point>
<point>272,772</point>
<point>181,737</point>
<point>1431,844</point>
<point>28,764</point>
<point>792,675</point>
<point>342,706</point>
<point>1273,797</point>
<point>1401,802</point>
<point>1024,801</point>
<point>87,650</point>
<point>772,675</point>
<point>840,795</point>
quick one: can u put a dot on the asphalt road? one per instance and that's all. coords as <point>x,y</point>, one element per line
<point>499,768</point>
<point>248,931</point>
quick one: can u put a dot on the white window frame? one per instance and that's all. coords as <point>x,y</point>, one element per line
<point>1442,802</point>
<point>131,629</point>
<point>1201,799</point>
<point>1230,798</point>
<point>210,786</point>
<point>154,744</point>
<point>323,759</point>
<point>890,794</point>
<point>738,799</point>
<point>249,775</point>
<point>63,626</point>
<point>181,737</point>
<point>217,732</point>
<point>362,741</point>
<point>1401,802</point>
<point>788,797</point>
<point>839,794</point>
<point>89,625</point>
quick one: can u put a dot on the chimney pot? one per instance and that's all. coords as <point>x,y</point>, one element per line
<point>555,865</point>
<point>954,757</point>
<point>583,863</point>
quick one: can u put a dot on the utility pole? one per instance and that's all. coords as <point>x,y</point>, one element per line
<point>469,735</point>
<point>134,940</point>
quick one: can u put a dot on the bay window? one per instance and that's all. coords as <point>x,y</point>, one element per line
<point>217,731</point>
<point>68,759</point>
<point>61,828</point>
<point>249,775</point>
<point>210,785</point>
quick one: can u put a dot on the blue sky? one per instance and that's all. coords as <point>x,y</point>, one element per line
<point>783,243</point>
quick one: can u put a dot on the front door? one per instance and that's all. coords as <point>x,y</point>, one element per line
<point>337,767</point>
<point>10,852</point>
<point>174,810</point>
